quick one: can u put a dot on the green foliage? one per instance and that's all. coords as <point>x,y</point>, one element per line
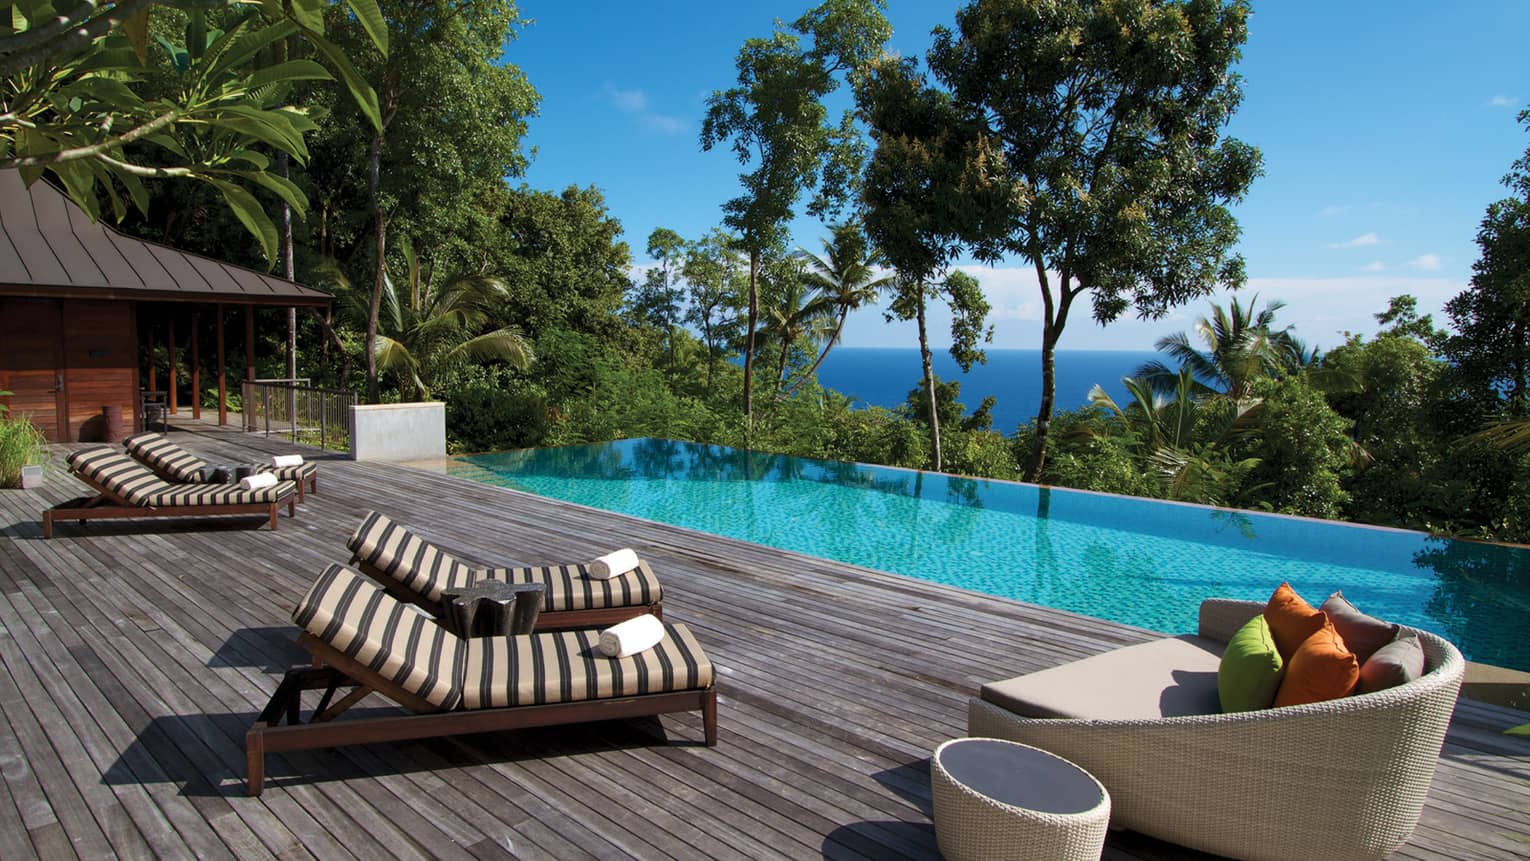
<point>775,118</point>
<point>21,444</point>
<point>1114,171</point>
<point>1491,350</point>
<point>1303,448</point>
<point>88,101</point>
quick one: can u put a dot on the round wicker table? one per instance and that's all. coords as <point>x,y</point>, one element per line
<point>1001,800</point>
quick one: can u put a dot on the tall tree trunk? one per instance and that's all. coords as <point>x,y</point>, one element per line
<point>929,383</point>
<point>1054,318</point>
<point>706,329</point>
<point>332,336</point>
<point>844,311</point>
<point>754,312</point>
<point>781,365</point>
<point>289,268</point>
<point>1044,411</point>
<point>379,248</point>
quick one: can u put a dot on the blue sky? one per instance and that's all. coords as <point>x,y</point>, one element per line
<point>1385,128</point>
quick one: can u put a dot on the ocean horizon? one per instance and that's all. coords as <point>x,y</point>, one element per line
<point>883,377</point>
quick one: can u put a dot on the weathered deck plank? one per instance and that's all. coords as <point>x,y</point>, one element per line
<point>134,654</point>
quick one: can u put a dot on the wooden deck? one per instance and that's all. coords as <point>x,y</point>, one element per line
<point>134,654</point>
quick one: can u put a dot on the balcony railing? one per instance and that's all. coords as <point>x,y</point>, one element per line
<point>299,412</point>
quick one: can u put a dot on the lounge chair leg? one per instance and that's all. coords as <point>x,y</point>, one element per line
<point>255,760</point>
<point>355,696</point>
<point>291,507</point>
<point>273,516</point>
<point>709,716</point>
<point>47,524</point>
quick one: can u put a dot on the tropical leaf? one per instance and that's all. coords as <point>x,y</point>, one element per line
<point>292,70</point>
<point>309,14</point>
<point>284,188</point>
<point>136,29</point>
<point>361,91</point>
<point>250,214</point>
<point>504,345</point>
<point>372,21</point>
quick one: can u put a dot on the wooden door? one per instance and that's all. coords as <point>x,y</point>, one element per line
<point>32,363</point>
<point>100,365</point>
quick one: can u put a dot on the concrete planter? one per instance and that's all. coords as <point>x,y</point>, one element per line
<point>31,476</point>
<point>398,432</point>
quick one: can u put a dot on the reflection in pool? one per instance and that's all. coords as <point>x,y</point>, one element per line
<point>1137,561</point>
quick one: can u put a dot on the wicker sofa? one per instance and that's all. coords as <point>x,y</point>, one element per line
<point>1339,779</point>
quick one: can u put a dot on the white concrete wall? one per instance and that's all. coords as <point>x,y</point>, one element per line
<point>398,432</point>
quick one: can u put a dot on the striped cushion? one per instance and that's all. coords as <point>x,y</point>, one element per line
<point>168,460</point>
<point>218,494</point>
<point>428,570</point>
<point>567,587</point>
<point>118,473</point>
<point>566,666</point>
<point>301,472</point>
<point>414,562</point>
<point>353,614</point>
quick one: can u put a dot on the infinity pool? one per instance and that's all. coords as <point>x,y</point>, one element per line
<point>1136,561</point>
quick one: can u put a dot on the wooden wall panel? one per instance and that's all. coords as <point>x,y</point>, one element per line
<point>101,361</point>
<point>30,353</point>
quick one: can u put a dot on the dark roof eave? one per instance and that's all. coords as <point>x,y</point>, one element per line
<point>46,291</point>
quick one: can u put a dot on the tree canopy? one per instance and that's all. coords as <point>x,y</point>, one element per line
<point>1109,119</point>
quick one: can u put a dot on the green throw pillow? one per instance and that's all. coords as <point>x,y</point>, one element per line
<point>1251,668</point>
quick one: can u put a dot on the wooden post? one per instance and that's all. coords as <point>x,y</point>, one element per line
<point>152,386</point>
<point>249,342</point>
<point>170,348</point>
<point>196,371</point>
<point>222,381</point>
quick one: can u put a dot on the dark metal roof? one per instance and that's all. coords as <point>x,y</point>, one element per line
<point>50,248</point>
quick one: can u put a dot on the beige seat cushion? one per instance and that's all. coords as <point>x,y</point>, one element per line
<point>1172,677</point>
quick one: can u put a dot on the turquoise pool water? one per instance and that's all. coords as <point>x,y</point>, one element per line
<point>1132,560</point>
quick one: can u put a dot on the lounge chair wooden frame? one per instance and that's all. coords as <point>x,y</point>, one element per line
<point>106,504</point>
<point>333,669</point>
<point>600,617</point>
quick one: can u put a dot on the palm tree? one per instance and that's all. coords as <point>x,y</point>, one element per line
<point>428,330</point>
<point>792,310</point>
<point>1240,347</point>
<point>846,275</point>
<point>1183,438</point>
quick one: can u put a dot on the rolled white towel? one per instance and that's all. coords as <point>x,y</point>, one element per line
<point>257,481</point>
<point>613,564</point>
<point>287,460</point>
<point>632,636</point>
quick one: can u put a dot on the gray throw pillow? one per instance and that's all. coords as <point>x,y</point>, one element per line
<point>1361,633</point>
<point>1398,662</point>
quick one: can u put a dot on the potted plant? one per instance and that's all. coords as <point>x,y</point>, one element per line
<point>23,451</point>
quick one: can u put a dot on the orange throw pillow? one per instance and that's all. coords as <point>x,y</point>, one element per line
<point>1291,619</point>
<point>1322,668</point>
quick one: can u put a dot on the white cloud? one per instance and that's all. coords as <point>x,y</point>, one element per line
<point>1501,101</point>
<point>1374,266</point>
<point>1320,309</point>
<point>1333,209</point>
<point>626,101</point>
<point>1364,240</point>
<point>1426,262</point>
<point>661,123</point>
<point>636,102</point>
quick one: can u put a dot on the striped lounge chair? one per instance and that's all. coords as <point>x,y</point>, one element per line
<point>414,570</point>
<point>175,464</point>
<point>361,638</point>
<point>125,488</point>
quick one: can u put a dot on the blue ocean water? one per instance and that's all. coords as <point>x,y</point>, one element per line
<point>1138,561</point>
<point>883,376</point>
